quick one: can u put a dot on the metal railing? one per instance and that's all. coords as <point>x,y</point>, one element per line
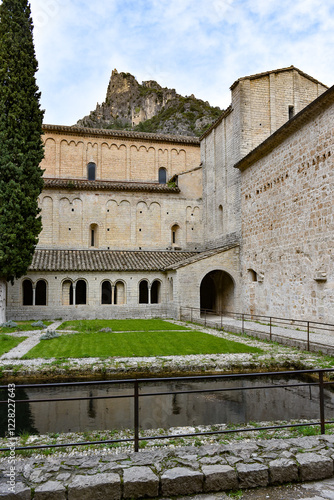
<point>309,328</point>
<point>136,394</point>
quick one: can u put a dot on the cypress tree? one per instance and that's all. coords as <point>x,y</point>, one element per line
<point>21,147</point>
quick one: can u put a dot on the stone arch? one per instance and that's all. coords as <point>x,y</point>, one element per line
<point>120,293</point>
<point>49,161</point>
<point>217,292</point>
<point>67,292</point>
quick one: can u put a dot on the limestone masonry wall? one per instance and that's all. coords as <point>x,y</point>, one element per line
<point>260,105</point>
<point>288,225</point>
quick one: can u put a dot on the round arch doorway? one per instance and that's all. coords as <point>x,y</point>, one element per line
<point>217,292</point>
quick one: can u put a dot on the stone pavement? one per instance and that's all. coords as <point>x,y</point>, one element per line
<point>314,490</point>
<point>247,465</point>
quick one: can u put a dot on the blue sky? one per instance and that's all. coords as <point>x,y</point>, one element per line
<point>198,47</point>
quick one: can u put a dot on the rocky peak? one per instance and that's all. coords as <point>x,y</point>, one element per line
<point>148,107</point>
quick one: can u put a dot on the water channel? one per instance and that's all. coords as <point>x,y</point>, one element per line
<point>164,411</point>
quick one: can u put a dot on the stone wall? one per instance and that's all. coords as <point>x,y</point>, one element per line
<point>260,105</point>
<point>287,224</point>
<point>57,294</point>
<point>118,157</point>
<point>121,220</point>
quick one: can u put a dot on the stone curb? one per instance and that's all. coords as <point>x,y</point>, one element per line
<point>171,472</point>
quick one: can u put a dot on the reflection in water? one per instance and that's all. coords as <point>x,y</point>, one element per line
<point>24,418</point>
<point>171,410</point>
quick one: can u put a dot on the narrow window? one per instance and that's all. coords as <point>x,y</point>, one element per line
<point>106,292</point>
<point>252,275</point>
<point>91,171</point>
<point>175,234</point>
<point>40,299</point>
<point>143,292</point>
<point>27,293</point>
<point>162,176</point>
<point>81,292</point>
<point>291,112</point>
<point>93,235</point>
<point>155,292</point>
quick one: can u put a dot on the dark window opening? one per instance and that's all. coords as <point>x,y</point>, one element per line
<point>155,292</point>
<point>40,293</point>
<point>143,292</point>
<point>291,112</point>
<point>27,293</point>
<point>92,238</point>
<point>81,292</point>
<point>162,176</point>
<point>174,236</point>
<point>91,171</point>
<point>106,292</point>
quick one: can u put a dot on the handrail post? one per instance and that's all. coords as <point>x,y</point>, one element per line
<point>136,414</point>
<point>191,315</point>
<point>243,323</point>
<point>221,320</point>
<point>308,335</point>
<point>322,402</point>
<point>205,317</point>
<point>270,330</point>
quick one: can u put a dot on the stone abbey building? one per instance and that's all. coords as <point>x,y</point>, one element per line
<point>138,225</point>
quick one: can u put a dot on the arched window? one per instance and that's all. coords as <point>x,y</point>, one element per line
<point>93,235</point>
<point>67,293</point>
<point>143,292</point>
<point>40,298</point>
<point>81,292</point>
<point>155,292</point>
<point>175,235</point>
<point>162,176</point>
<point>91,171</point>
<point>106,292</point>
<point>27,293</point>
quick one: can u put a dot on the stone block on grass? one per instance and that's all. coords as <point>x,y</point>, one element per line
<point>139,482</point>
<point>181,481</point>
<point>219,478</point>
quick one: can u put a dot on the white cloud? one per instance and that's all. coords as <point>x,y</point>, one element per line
<point>195,46</point>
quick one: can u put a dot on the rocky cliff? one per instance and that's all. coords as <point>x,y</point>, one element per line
<point>147,107</point>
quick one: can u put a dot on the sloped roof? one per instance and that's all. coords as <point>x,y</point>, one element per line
<point>202,255</point>
<point>125,134</point>
<point>280,70</point>
<point>98,185</point>
<point>105,260</point>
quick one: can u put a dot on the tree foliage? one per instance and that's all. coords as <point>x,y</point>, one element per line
<point>21,148</point>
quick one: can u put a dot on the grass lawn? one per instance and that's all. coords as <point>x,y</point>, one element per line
<point>23,326</point>
<point>132,344</point>
<point>7,342</point>
<point>119,325</point>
